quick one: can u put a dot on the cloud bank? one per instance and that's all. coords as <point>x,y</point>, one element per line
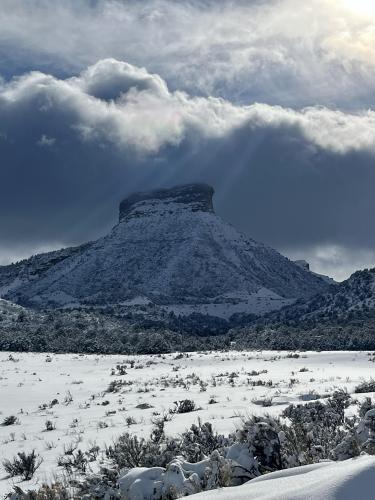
<point>72,147</point>
<point>283,52</point>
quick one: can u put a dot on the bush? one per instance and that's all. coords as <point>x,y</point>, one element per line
<point>56,491</point>
<point>24,465</point>
<point>261,435</point>
<point>130,451</point>
<point>49,425</point>
<point>315,430</point>
<point>367,386</point>
<point>365,406</point>
<point>74,462</point>
<point>200,441</point>
<point>11,420</point>
<point>184,406</point>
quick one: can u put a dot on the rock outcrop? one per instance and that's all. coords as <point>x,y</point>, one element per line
<point>193,197</point>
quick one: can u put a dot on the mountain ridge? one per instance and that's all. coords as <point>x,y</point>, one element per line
<point>353,297</point>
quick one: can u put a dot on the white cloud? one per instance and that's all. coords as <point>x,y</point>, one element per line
<point>108,79</point>
<point>130,108</point>
<point>287,51</point>
<point>46,141</point>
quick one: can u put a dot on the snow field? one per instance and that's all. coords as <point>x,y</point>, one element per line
<point>79,395</point>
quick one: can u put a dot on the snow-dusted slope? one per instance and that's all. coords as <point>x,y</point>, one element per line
<point>9,309</point>
<point>18,319</point>
<point>355,294</point>
<point>171,248</point>
<point>16,275</point>
<point>348,480</point>
<point>354,297</point>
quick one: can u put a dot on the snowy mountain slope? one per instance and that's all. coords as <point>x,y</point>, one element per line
<point>355,294</point>
<point>8,309</point>
<point>15,275</point>
<point>354,297</point>
<point>345,480</point>
<point>171,248</point>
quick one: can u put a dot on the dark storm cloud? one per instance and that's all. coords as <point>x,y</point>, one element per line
<point>71,149</point>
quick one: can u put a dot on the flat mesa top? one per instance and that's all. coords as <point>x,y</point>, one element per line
<point>199,196</point>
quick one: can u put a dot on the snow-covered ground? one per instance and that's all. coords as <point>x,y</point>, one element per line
<point>348,480</point>
<point>259,302</point>
<point>71,391</point>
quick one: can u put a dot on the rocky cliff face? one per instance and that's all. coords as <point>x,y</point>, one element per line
<point>171,249</point>
<point>192,197</point>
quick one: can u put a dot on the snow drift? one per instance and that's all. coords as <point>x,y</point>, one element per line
<point>346,480</point>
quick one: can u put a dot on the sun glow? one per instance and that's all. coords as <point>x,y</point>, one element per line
<point>365,7</point>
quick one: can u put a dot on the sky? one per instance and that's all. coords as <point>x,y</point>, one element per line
<point>270,101</point>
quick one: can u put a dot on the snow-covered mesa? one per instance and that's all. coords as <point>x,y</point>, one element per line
<point>169,249</point>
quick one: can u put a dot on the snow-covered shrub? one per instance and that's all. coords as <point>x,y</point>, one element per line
<point>24,464</point>
<point>157,433</point>
<point>243,463</point>
<point>101,485</point>
<point>365,406</point>
<point>200,441</point>
<point>349,447</point>
<point>184,406</point>
<point>157,483</point>
<point>366,432</point>
<point>49,425</point>
<point>339,402</point>
<point>180,478</point>
<point>57,491</point>
<point>70,448</point>
<point>76,462</point>
<point>261,436</point>
<point>116,385</point>
<point>10,420</point>
<point>130,421</point>
<point>213,472</point>
<point>367,386</point>
<point>315,430</point>
<point>129,451</point>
